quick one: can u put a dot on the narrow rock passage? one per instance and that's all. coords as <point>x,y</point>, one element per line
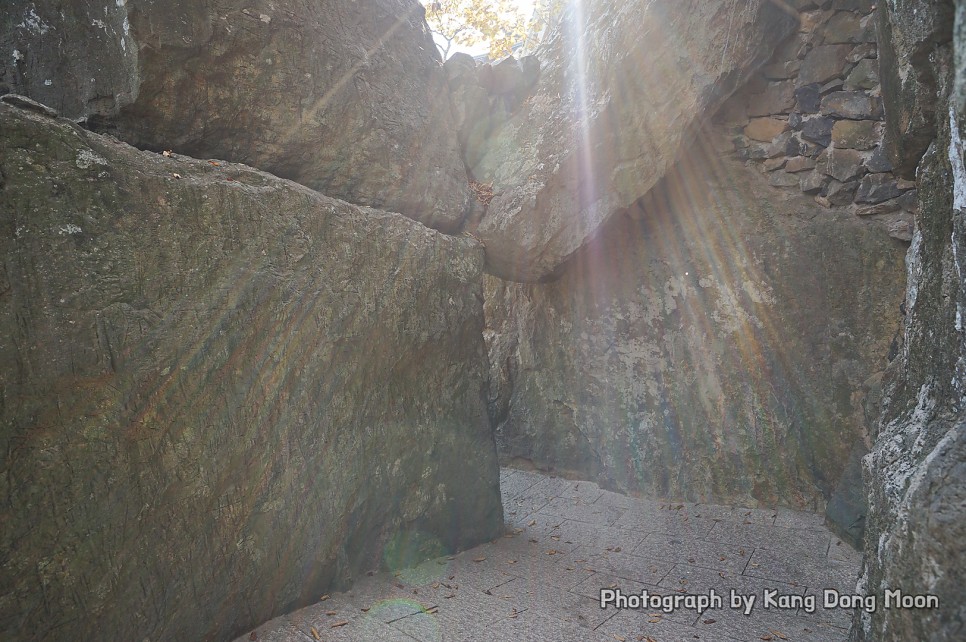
<point>566,541</point>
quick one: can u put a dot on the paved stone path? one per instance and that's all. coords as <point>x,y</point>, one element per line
<point>566,541</point>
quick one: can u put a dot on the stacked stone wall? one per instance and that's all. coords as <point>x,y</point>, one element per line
<point>813,118</point>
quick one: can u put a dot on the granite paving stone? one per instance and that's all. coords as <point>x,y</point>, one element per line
<point>567,540</point>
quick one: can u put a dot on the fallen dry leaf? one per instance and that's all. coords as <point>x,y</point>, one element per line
<point>331,613</point>
<point>766,637</point>
<point>710,621</point>
<point>336,625</point>
<point>215,163</point>
<point>315,633</point>
<point>479,559</point>
<point>324,597</point>
<point>252,635</point>
<point>778,634</point>
<point>365,609</point>
<point>619,638</point>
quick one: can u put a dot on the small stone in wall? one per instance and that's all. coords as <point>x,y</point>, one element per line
<point>839,193</point>
<point>818,130</point>
<point>843,164</point>
<point>814,182</point>
<point>843,28</point>
<point>855,134</point>
<point>765,129</point>
<point>777,98</point>
<point>779,146</point>
<point>823,64</point>
<point>808,21</point>
<point>772,164</point>
<point>878,162</point>
<point>863,51</point>
<point>809,98</point>
<point>876,188</point>
<point>885,207</point>
<point>865,75</point>
<point>799,164</point>
<point>852,104</point>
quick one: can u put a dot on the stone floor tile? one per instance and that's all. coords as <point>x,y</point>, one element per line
<point>770,625</point>
<point>625,565</point>
<point>797,565</point>
<point>549,600</point>
<point>462,618</point>
<point>582,511</point>
<point>665,521</point>
<point>675,548</point>
<point>734,514</point>
<point>532,499</point>
<point>640,625</point>
<point>591,586</point>
<point>617,500</point>
<point>800,519</point>
<point>604,538</point>
<point>516,482</point>
<point>764,536</point>
<point>534,626</point>
<point>585,491</point>
<point>695,579</point>
<point>841,551</point>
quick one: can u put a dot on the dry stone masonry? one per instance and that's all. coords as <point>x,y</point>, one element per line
<point>813,118</point>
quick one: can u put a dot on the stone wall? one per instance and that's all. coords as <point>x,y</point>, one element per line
<point>813,118</point>
<point>222,394</point>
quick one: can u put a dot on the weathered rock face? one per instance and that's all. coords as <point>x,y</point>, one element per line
<point>911,33</point>
<point>722,342</point>
<point>615,105</point>
<point>916,472</point>
<point>222,393</point>
<point>345,97</point>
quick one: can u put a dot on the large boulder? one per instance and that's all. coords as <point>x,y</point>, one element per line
<point>721,342</point>
<point>223,394</point>
<point>345,97</point>
<point>915,474</point>
<point>621,89</point>
<point>914,40</point>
